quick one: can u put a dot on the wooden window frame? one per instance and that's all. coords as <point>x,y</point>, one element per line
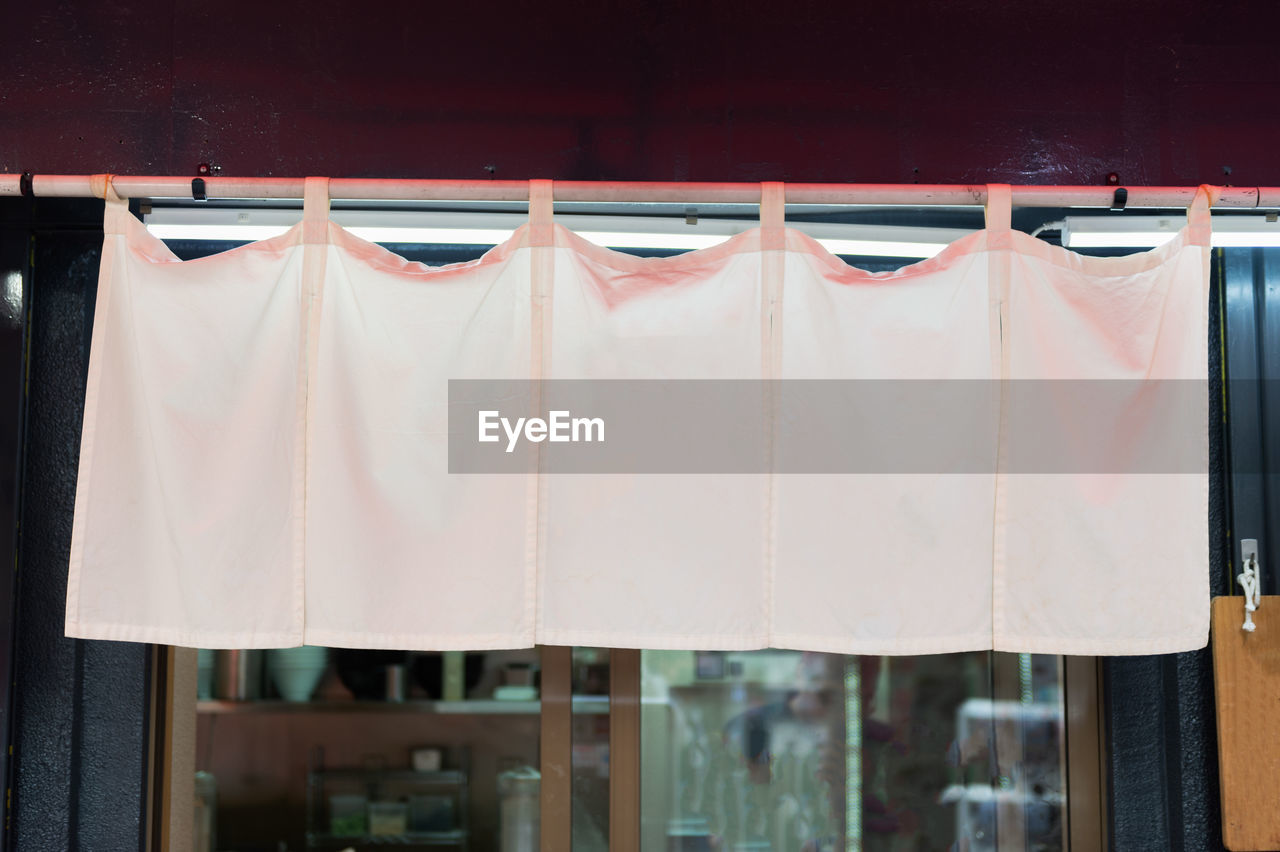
<point>173,726</point>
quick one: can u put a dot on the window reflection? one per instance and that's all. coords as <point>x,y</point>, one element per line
<point>313,748</point>
<point>590,809</point>
<point>783,750</point>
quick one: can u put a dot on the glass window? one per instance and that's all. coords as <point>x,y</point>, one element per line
<point>590,806</point>
<point>783,750</point>
<point>317,748</point>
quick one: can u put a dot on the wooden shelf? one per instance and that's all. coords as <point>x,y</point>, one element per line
<point>438,776</point>
<point>476,707</point>
<point>413,838</point>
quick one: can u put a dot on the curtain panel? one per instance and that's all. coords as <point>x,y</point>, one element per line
<point>266,449</point>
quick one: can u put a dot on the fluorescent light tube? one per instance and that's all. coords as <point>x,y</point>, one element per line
<point>431,236</point>
<point>230,232</point>
<point>1152,231</point>
<point>641,240</point>
<point>487,229</point>
<point>881,248</point>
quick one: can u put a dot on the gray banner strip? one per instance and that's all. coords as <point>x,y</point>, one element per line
<point>828,426</point>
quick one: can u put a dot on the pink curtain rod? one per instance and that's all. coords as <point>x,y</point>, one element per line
<point>83,186</point>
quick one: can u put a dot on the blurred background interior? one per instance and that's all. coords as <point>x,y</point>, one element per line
<point>314,748</point>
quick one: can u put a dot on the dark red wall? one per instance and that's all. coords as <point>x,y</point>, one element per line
<point>1058,91</point>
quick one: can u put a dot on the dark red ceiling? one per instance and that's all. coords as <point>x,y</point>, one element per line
<point>1170,92</point>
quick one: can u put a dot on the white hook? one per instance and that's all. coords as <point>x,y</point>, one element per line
<point>1250,581</point>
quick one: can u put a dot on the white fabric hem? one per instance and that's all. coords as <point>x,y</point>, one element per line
<point>884,647</point>
<point>656,641</point>
<point>183,638</point>
<point>421,641</point>
<point>1093,647</point>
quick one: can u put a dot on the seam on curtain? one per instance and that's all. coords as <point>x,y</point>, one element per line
<point>1200,232</point>
<point>315,256</point>
<point>999,263</point>
<point>773,255</point>
<point>542,258</point>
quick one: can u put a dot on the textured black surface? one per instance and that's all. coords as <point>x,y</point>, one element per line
<point>1252,285</point>
<point>1162,764</point>
<point>1160,91</point>
<point>80,721</point>
<point>14,266</point>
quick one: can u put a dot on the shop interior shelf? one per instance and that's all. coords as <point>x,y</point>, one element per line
<point>387,788</point>
<point>487,707</point>
<point>413,838</point>
<point>439,776</point>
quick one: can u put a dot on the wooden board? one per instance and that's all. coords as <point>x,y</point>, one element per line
<point>1246,679</point>
<point>624,750</point>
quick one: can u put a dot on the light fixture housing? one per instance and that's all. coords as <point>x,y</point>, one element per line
<point>489,228</point>
<point>1151,231</point>
<point>671,233</point>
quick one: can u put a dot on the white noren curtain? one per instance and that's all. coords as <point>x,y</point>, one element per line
<point>266,454</point>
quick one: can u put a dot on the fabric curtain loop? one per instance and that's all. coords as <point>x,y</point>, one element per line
<point>999,207</point>
<point>315,210</point>
<point>541,210</point>
<point>103,187</point>
<point>1198,215</point>
<point>116,217</point>
<point>773,207</point>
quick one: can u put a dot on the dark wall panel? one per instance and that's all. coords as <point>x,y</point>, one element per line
<point>14,280</point>
<point>79,721</point>
<point>1162,761</point>
<point>1172,92</point>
